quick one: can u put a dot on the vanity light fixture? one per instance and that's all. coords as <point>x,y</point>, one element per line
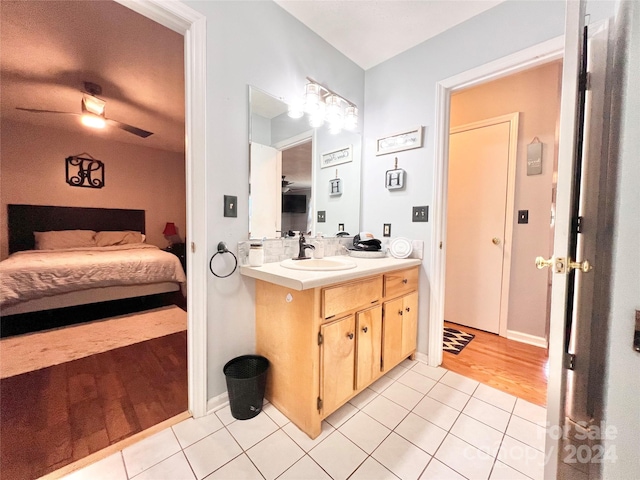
<point>324,105</point>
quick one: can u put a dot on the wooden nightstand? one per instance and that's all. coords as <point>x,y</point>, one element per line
<point>179,250</point>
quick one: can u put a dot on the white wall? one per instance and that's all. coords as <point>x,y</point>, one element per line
<point>535,94</point>
<point>622,380</point>
<point>260,44</point>
<point>33,172</point>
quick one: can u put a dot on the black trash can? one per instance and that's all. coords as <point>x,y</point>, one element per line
<point>246,380</point>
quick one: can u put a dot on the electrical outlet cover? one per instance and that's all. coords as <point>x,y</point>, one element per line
<point>322,216</point>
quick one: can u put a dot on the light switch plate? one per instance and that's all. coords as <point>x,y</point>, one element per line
<point>322,216</point>
<point>523,216</point>
<point>230,206</point>
<point>420,214</point>
<point>386,230</point>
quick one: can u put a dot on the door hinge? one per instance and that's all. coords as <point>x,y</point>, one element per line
<point>320,339</point>
<point>570,361</point>
<point>584,82</point>
<point>319,403</point>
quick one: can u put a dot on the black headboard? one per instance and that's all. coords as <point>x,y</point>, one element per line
<point>26,219</point>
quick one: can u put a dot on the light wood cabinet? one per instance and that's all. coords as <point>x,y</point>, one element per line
<point>368,346</point>
<point>337,355</point>
<point>327,344</point>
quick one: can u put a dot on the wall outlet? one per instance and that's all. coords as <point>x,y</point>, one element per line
<point>230,206</point>
<point>386,230</point>
<point>322,216</point>
<point>341,227</point>
<point>420,214</point>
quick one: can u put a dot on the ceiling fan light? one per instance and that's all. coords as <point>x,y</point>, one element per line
<point>92,104</point>
<point>93,121</point>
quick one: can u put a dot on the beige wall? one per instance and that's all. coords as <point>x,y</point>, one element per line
<point>536,95</point>
<point>32,171</point>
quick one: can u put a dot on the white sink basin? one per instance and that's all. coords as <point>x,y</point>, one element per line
<point>318,264</point>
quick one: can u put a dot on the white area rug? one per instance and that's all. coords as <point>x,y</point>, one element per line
<point>34,351</point>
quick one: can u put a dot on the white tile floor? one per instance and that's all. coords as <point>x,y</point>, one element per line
<point>416,422</point>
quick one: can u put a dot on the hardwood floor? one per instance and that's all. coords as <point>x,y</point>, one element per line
<point>57,415</point>
<point>513,367</point>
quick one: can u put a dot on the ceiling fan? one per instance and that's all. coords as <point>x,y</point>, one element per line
<point>285,184</point>
<point>93,112</point>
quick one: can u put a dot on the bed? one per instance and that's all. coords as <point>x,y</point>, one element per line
<point>33,280</point>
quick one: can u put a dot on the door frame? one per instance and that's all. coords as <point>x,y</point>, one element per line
<point>536,55</point>
<point>512,119</point>
<point>192,25</point>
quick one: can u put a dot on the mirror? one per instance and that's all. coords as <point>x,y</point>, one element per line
<point>293,170</point>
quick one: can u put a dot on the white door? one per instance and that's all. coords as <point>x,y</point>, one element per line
<point>567,298</point>
<point>265,194</point>
<point>476,224</point>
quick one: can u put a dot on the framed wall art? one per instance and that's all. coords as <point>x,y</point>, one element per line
<point>336,157</point>
<point>400,141</point>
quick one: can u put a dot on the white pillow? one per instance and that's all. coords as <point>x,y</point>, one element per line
<point>106,239</point>
<point>56,240</point>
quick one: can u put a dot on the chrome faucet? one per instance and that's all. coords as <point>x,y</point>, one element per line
<point>303,246</point>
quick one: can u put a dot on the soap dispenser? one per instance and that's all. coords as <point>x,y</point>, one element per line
<point>318,252</point>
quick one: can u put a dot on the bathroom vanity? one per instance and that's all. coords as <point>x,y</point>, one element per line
<point>330,334</point>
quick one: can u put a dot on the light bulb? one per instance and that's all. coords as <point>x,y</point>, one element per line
<point>93,121</point>
<point>351,118</point>
<point>296,108</point>
<point>311,98</point>
<point>316,119</point>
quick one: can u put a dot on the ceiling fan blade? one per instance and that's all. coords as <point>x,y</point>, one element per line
<point>35,110</point>
<point>135,130</point>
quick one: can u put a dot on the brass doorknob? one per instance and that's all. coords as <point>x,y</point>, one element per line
<point>495,241</point>
<point>584,267</point>
<point>542,263</point>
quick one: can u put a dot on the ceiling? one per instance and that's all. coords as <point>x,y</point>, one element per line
<point>50,48</point>
<point>372,31</point>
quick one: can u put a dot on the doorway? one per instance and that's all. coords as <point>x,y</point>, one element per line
<point>499,216</point>
<point>518,62</point>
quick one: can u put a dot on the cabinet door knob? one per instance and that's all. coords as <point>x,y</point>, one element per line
<point>408,309</point>
<point>399,312</point>
<point>365,329</point>
<point>350,335</point>
<point>404,280</point>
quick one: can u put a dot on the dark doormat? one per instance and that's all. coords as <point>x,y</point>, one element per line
<point>454,341</point>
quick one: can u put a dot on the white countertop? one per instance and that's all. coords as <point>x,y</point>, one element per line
<point>304,279</point>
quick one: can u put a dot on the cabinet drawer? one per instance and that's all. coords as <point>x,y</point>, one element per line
<point>346,297</point>
<point>400,282</point>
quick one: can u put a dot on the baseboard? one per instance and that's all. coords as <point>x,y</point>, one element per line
<point>422,357</point>
<point>216,403</point>
<point>527,338</point>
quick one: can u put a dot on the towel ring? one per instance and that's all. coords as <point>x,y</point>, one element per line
<point>222,248</point>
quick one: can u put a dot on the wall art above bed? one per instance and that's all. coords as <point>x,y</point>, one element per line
<point>84,172</point>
